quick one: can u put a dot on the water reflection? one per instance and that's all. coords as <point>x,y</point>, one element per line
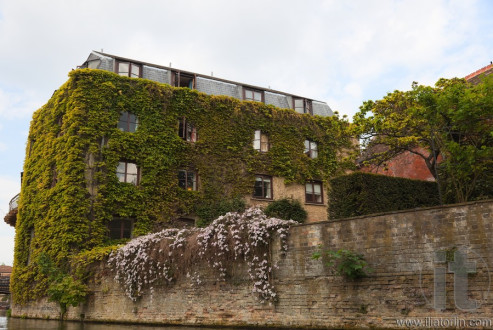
<point>29,324</point>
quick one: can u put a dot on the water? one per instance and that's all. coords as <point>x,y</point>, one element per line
<point>31,324</point>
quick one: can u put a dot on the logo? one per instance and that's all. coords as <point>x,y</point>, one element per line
<point>456,274</point>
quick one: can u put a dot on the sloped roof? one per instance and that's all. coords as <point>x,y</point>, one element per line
<point>5,269</point>
<point>474,77</point>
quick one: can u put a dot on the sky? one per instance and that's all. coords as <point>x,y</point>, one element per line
<point>342,52</point>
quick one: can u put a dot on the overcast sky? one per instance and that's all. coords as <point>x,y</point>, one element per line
<point>342,52</point>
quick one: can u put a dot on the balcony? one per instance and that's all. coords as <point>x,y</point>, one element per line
<point>11,217</point>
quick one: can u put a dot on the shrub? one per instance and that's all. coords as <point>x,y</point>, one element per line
<point>345,263</point>
<point>210,211</point>
<point>364,193</point>
<point>286,209</point>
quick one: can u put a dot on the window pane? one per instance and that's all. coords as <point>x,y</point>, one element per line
<point>317,188</point>
<point>313,145</point>
<point>182,181</point>
<point>267,188</point>
<point>132,178</point>
<point>258,188</point>
<point>248,94</point>
<point>257,135</point>
<point>123,122</point>
<point>314,154</point>
<point>123,68</point>
<point>258,96</point>
<point>307,146</point>
<point>132,127</point>
<point>309,188</point>
<point>264,143</point>
<point>132,168</point>
<point>190,181</point>
<point>135,71</point>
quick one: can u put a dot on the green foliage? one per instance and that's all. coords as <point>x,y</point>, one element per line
<point>63,288</point>
<point>9,312</point>
<point>210,211</point>
<point>364,193</point>
<point>286,209</point>
<point>448,125</point>
<point>345,263</point>
<point>70,191</point>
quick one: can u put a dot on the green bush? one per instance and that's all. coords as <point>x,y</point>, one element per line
<point>286,209</point>
<point>210,211</point>
<point>364,193</point>
<point>345,263</point>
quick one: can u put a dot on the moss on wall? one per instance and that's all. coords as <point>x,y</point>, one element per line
<point>70,190</point>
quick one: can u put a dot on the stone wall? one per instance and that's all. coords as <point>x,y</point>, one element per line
<point>401,247</point>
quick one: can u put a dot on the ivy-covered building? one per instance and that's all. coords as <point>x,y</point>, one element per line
<point>110,156</point>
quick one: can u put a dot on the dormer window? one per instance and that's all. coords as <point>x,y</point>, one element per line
<point>187,131</point>
<point>253,95</point>
<point>302,105</point>
<point>183,80</point>
<point>128,69</point>
<point>261,141</point>
<point>128,122</point>
<point>311,149</point>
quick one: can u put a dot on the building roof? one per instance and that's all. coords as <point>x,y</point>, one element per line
<point>95,54</point>
<point>5,269</point>
<point>474,77</point>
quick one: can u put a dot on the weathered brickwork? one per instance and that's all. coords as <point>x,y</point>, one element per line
<point>400,247</point>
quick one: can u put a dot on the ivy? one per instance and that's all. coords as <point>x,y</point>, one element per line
<point>70,191</point>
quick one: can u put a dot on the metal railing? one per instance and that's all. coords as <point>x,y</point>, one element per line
<point>14,202</point>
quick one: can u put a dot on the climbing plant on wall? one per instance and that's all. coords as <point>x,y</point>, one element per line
<point>70,190</point>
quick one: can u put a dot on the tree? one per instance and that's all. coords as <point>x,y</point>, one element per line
<point>449,126</point>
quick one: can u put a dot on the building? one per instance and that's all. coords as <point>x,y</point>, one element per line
<point>111,157</point>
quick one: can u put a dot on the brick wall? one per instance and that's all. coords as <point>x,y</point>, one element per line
<point>399,246</point>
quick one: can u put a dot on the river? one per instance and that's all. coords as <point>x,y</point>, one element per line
<point>11,323</point>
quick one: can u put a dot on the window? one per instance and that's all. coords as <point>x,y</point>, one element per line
<point>128,172</point>
<point>183,80</point>
<point>302,105</point>
<point>128,122</point>
<point>313,192</point>
<point>128,69</point>
<point>263,187</point>
<point>253,95</point>
<point>120,228</point>
<point>261,141</point>
<point>187,180</point>
<point>311,149</point>
<point>187,131</point>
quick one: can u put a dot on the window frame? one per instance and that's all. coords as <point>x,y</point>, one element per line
<point>271,190</point>
<point>123,222</point>
<point>124,125</point>
<point>130,66</point>
<point>183,126</point>
<point>266,144</point>
<point>253,90</point>
<point>310,151</point>
<point>312,199</point>
<point>307,105</point>
<point>195,181</point>
<point>126,174</point>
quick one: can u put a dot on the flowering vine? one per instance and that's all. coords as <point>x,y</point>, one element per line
<point>160,258</point>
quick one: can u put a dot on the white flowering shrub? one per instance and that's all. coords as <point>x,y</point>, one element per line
<point>160,258</point>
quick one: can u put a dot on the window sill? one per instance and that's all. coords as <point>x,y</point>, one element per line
<point>315,204</point>
<point>262,199</point>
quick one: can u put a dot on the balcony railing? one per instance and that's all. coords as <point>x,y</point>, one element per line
<point>14,202</point>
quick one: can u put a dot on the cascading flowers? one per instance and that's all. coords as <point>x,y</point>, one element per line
<point>160,258</point>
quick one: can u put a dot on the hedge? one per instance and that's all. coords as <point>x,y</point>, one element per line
<point>364,193</point>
